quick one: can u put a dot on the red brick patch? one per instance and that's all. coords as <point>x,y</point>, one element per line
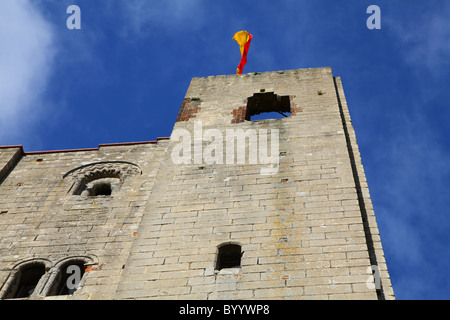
<point>239,115</point>
<point>188,109</point>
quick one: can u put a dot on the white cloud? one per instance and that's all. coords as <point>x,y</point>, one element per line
<point>145,17</point>
<point>26,42</point>
<point>424,38</point>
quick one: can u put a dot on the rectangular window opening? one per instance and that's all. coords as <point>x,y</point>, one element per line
<point>268,105</point>
<point>229,256</point>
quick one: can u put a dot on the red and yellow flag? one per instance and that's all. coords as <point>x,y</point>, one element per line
<point>243,38</point>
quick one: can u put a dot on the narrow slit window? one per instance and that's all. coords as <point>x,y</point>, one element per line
<point>229,256</point>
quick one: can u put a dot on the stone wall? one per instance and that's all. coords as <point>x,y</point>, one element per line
<point>42,221</point>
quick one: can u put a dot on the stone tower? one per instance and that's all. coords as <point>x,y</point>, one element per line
<point>228,207</point>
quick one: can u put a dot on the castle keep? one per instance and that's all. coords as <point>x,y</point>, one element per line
<point>228,207</point>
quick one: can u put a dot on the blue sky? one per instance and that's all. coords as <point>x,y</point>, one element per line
<point>122,78</point>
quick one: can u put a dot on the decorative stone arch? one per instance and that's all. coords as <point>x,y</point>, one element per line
<point>30,274</point>
<point>101,178</point>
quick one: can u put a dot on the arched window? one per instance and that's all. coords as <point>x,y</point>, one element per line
<point>229,256</point>
<point>29,279</point>
<point>25,280</point>
<point>100,178</point>
<point>68,277</point>
<point>102,188</point>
